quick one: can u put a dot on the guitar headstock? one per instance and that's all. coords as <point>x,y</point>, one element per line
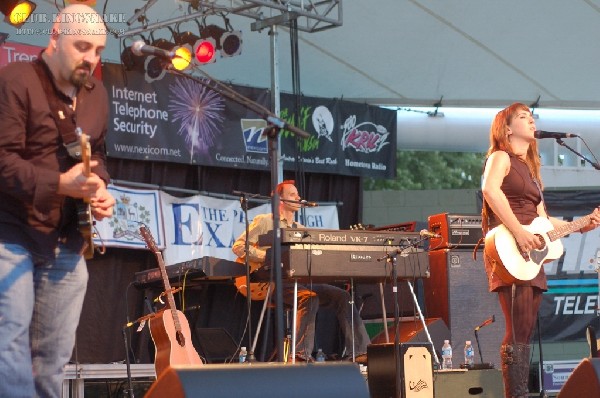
<point>147,236</point>
<point>86,150</point>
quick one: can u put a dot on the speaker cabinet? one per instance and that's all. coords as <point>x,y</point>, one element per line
<point>584,381</point>
<point>261,381</point>
<point>457,292</point>
<point>215,345</point>
<point>484,383</point>
<point>413,332</point>
<point>415,373</point>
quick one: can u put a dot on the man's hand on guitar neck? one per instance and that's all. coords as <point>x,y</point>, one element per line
<point>102,203</point>
<point>75,184</point>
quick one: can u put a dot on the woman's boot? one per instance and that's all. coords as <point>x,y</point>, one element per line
<point>515,370</point>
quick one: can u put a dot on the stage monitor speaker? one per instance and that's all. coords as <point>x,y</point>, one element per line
<point>215,345</point>
<point>584,381</point>
<point>484,383</point>
<point>371,306</point>
<point>412,332</point>
<point>261,381</point>
<point>457,292</point>
<point>415,373</point>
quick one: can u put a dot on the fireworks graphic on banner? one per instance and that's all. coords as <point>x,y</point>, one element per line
<point>200,112</point>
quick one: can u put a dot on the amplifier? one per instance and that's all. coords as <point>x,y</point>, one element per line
<point>455,230</point>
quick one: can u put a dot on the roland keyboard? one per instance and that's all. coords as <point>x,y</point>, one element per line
<point>333,263</point>
<point>205,268</point>
<point>341,237</point>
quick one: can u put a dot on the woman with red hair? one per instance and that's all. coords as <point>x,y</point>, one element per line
<point>512,196</point>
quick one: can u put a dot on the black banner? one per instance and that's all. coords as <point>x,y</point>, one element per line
<point>176,119</point>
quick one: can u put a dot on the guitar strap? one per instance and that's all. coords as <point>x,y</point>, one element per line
<point>63,115</point>
<point>537,184</point>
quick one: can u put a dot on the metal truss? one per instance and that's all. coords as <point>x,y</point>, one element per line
<point>311,15</point>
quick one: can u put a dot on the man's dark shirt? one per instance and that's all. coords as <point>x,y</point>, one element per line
<point>32,156</point>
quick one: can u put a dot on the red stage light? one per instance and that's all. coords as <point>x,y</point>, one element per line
<point>205,51</point>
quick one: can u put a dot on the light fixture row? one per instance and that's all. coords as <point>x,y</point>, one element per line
<point>188,48</point>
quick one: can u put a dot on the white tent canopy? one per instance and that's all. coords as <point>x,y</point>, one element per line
<point>406,53</point>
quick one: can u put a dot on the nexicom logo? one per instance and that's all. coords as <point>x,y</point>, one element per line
<point>254,139</point>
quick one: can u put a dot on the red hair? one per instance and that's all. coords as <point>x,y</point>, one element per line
<point>499,139</point>
<point>279,187</point>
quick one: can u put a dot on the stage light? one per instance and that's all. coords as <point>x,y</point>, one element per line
<point>229,42</point>
<point>155,68</point>
<point>204,49</point>
<point>183,53</point>
<point>16,12</point>
<point>131,61</point>
<point>183,57</point>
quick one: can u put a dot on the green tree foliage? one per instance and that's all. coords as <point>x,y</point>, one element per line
<point>432,170</point>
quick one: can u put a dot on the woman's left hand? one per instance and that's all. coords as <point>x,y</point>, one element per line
<point>594,221</point>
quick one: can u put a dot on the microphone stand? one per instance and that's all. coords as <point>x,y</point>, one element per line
<point>478,345</point>
<point>541,365</point>
<point>562,143</point>
<point>144,318</point>
<point>275,125</point>
<point>244,205</point>
<point>391,258</point>
<point>129,391</point>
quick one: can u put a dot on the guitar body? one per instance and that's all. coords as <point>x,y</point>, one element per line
<point>510,264</point>
<point>169,349</point>
<point>85,222</point>
<point>258,290</point>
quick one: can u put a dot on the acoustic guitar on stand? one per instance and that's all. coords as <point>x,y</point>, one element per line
<point>511,264</point>
<point>169,327</point>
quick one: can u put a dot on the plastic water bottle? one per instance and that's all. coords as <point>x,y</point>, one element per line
<point>243,354</point>
<point>446,355</point>
<point>320,355</point>
<point>469,354</point>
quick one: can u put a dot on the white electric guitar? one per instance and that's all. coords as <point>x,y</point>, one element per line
<point>511,264</point>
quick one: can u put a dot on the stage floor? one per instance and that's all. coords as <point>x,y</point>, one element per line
<point>110,380</point>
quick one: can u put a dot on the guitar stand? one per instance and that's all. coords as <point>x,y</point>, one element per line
<point>163,294</point>
<point>142,321</point>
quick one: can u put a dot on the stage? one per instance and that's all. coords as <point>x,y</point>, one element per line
<point>104,380</point>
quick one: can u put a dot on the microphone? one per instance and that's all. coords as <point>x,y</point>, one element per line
<point>539,134</point>
<point>486,322</point>
<point>428,234</point>
<point>140,48</point>
<point>308,204</point>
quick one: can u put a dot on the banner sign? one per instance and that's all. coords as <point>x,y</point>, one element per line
<point>134,208</point>
<point>177,119</point>
<point>571,302</point>
<point>12,52</point>
<point>188,228</point>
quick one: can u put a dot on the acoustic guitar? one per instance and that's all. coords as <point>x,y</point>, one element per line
<point>84,212</point>
<point>169,328</point>
<point>512,264</point>
<point>258,290</point>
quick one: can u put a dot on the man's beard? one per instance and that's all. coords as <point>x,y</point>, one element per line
<point>78,78</point>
